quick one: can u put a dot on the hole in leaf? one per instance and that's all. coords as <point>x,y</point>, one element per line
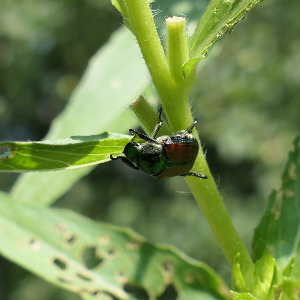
<point>137,292</point>
<point>35,244</point>
<point>122,277</point>
<point>70,239</point>
<point>168,266</point>
<point>84,277</point>
<point>61,227</point>
<point>91,258</point>
<point>109,297</point>
<point>96,293</point>
<point>104,240</point>
<point>6,152</point>
<point>134,245</point>
<point>111,252</point>
<point>289,193</point>
<point>103,295</point>
<point>61,264</point>
<point>169,293</point>
<point>189,278</point>
<point>64,280</point>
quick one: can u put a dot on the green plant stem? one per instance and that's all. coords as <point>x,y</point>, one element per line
<point>143,26</point>
<point>177,47</point>
<point>212,205</point>
<point>174,92</point>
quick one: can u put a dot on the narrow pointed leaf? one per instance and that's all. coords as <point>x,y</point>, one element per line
<point>79,151</point>
<point>279,229</point>
<point>220,17</point>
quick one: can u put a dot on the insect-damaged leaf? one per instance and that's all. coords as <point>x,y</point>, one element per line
<point>93,258</point>
<point>279,229</point>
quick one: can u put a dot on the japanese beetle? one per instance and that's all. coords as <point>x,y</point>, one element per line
<point>165,156</point>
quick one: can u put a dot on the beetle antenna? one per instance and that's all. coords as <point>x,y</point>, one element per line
<point>158,125</point>
<point>190,129</point>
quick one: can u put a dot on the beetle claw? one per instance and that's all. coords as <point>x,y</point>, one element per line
<point>114,158</point>
<point>202,176</point>
<point>125,160</point>
<point>190,129</point>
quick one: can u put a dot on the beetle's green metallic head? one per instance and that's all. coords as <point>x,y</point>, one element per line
<point>131,151</point>
<point>150,157</point>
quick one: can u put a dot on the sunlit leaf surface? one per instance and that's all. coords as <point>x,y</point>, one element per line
<point>112,80</point>
<point>77,151</point>
<point>93,258</point>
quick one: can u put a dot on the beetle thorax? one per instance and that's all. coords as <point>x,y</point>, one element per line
<point>151,158</point>
<point>164,139</point>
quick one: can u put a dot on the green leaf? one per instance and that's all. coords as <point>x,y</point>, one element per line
<point>77,151</point>
<point>121,6</point>
<point>265,277</point>
<point>243,296</point>
<point>238,280</point>
<point>276,241</point>
<point>262,280</point>
<point>92,258</point>
<point>289,288</point>
<point>220,17</point>
<point>279,229</point>
<point>113,79</point>
<point>189,66</point>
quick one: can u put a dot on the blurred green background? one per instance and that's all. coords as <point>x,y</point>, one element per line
<point>246,99</point>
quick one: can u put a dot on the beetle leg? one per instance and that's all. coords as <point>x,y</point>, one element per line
<point>125,160</point>
<point>202,176</point>
<point>158,125</point>
<point>189,130</point>
<point>143,136</point>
